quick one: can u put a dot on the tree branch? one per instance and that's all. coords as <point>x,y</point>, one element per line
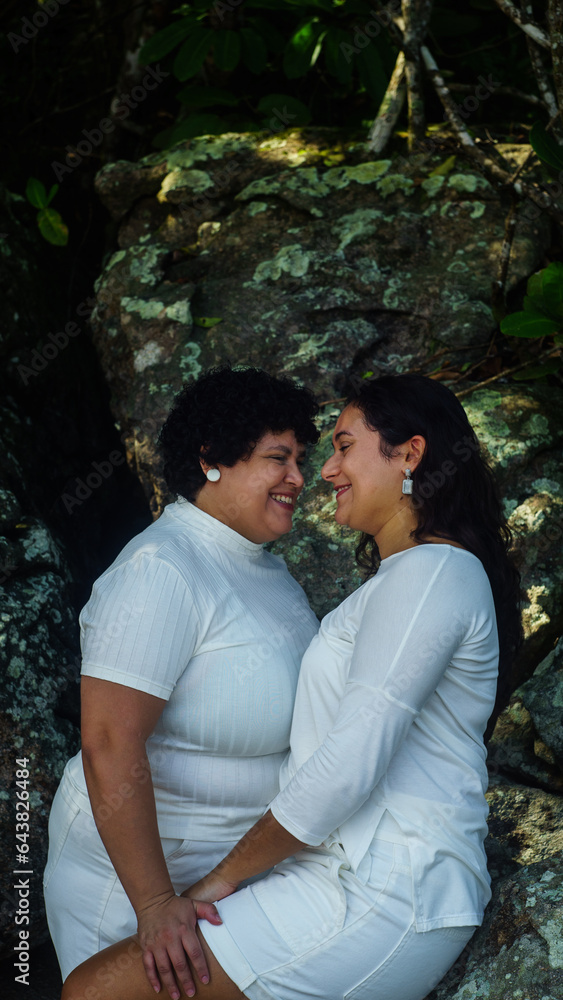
<point>533,30</point>
<point>389,109</point>
<point>505,371</point>
<point>415,17</point>
<point>539,196</point>
<point>538,65</point>
<point>555,21</point>
<point>468,88</point>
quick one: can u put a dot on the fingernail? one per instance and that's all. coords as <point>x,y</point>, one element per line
<point>205,979</point>
<point>191,993</point>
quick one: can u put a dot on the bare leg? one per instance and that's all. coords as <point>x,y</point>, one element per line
<point>117,973</point>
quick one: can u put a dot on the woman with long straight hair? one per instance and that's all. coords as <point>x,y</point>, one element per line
<point>375,871</point>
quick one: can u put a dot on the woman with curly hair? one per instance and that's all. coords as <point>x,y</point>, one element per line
<point>373,849</point>
<point>191,646</point>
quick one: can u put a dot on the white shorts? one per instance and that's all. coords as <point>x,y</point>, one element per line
<point>311,929</point>
<point>87,908</point>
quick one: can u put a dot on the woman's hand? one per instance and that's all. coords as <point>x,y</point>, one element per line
<point>210,888</point>
<point>167,934</point>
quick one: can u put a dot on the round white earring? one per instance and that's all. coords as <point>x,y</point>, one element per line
<point>213,475</point>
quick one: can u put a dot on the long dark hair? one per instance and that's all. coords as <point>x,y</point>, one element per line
<point>454,493</point>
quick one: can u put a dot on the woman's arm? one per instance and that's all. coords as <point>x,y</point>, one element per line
<point>116,722</point>
<point>265,844</point>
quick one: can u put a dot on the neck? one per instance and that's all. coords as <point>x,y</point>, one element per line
<point>396,534</point>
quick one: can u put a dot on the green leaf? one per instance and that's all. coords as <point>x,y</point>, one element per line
<point>36,194</point>
<point>300,50</point>
<point>163,41</point>
<point>285,111</point>
<point>443,168</point>
<point>531,323</point>
<point>52,193</point>
<point>52,227</point>
<point>207,321</point>
<point>197,96</point>
<point>552,290</point>
<point>546,147</point>
<point>538,371</point>
<point>226,49</point>
<point>339,54</point>
<point>254,51</point>
<point>194,126</point>
<point>192,54</point>
<point>534,288</point>
<point>372,73</point>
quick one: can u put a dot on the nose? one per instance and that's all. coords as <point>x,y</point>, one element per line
<point>330,468</point>
<point>295,476</point>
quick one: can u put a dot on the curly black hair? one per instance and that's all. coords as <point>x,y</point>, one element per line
<point>454,492</point>
<point>223,414</point>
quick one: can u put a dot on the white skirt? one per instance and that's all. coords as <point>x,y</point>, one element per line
<point>87,907</point>
<point>311,929</point>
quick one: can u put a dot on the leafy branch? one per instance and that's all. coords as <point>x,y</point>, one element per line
<point>51,225</point>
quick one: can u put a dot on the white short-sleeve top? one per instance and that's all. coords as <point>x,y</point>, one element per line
<point>198,615</point>
<point>393,698</point>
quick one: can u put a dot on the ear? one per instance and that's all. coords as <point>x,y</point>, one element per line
<point>414,449</point>
<point>205,466</point>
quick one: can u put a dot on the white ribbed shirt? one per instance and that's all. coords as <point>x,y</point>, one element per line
<point>196,614</point>
<point>393,698</point>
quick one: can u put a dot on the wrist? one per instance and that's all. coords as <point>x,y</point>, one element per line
<point>153,902</point>
<point>211,888</point>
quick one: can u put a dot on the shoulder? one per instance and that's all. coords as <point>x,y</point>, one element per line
<point>443,575</point>
<point>162,549</point>
<point>432,558</point>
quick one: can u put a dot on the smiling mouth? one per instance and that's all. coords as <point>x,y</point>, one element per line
<point>342,489</point>
<point>284,500</point>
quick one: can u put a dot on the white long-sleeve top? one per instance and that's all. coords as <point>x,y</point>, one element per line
<point>393,698</point>
<point>194,613</point>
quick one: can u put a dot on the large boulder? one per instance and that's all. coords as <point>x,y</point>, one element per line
<point>525,825</point>
<point>518,951</point>
<point>52,543</point>
<point>299,253</point>
<point>38,685</point>
<point>521,429</point>
<point>296,252</point>
<point>527,743</point>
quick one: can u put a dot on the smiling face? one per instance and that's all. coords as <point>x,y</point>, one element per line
<point>257,495</point>
<point>368,485</point>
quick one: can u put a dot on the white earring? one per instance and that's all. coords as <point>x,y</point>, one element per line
<point>213,475</point>
<point>407,482</point>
